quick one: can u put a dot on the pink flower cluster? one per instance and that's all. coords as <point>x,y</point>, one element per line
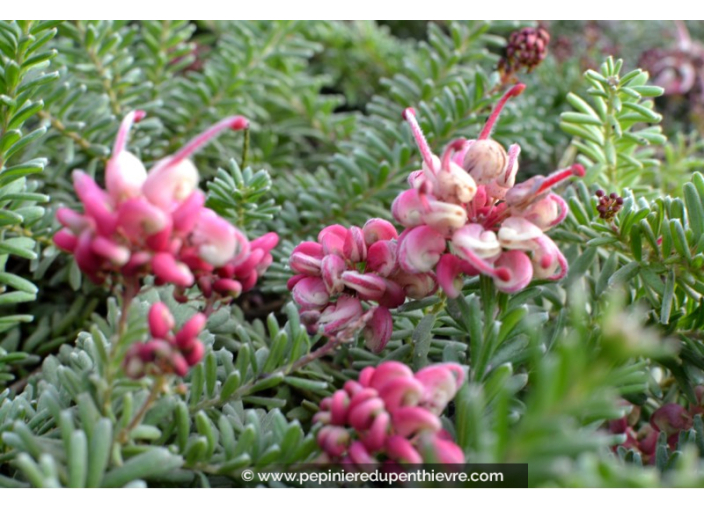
<point>468,199</point>
<point>166,352</point>
<point>348,266</point>
<point>392,415</point>
<point>156,223</point>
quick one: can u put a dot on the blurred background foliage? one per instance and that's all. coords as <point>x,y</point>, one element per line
<point>326,145</point>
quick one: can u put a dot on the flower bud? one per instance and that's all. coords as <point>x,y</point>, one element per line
<point>401,450</point>
<point>416,286</point>
<point>161,322</point>
<point>217,240</point>
<point>444,217</point>
<point>338,316</point>
<point>169,270</point>
<point>332,267</point>
<point>65,240</point>
<point>361,416</point>
<point>408,208</point>
<point>333,440</point>
<point>358,252</point>
<point>381,257</point>
<point>228,287</point>
<point>310,293</point>
<point>420,249</point>
<point>377,229</point>
<point>138,219</point>
<point>378,329</point>
<point>517,271</point>
<point>440,385</point>
<point>191,329</point>
<point>670,419</point>
<point>409,421</point>
<point>401,392</point>
<point>454,184</point>
<point>336,240</point>
<point>547,259</point>
<point>375,437</point>
<point>546,212</point>
<point>96,202</point>
<point>369,286</point>
<point>110,250</point>
<point>388,371</point>
<point>449,273</point>
<point>485,160</point>
<point>170,183</point>
<point>306,258</point>
<point>124,176</point>
<point>437,450</point>
<point>518,234</point>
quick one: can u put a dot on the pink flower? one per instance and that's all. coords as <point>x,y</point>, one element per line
<point>390,413</point>
<point>156,223</point>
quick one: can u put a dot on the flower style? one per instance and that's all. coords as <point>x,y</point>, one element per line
<point>167,352</point>
<point>468,200</point>
<point>156,223</point>
<point>351,266</point>
<point>391,413</point>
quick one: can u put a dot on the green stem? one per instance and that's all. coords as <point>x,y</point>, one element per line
<point>156,390</point>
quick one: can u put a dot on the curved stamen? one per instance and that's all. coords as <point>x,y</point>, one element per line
<point>514,91</point>
<point>559,176</point>
<point>548,246</point>
<point>130,119</point>
<point>235,123</point>
<point>562,206</point>
<point>409,115</point>
<point>450,150</point>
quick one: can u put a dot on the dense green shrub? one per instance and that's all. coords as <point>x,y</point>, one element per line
<point>572,376</point>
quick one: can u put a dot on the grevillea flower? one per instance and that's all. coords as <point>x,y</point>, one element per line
<point>465,214</point>
<point>156,223</point>
<point>391,413</point>
<point>167,352</point>
<point>349,269</point>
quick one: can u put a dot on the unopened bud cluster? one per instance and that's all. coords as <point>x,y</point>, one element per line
<point>526,48</point>
<point>391,414</point>
<point>608,206</point>
<point>167,352</point>
<point>156,223</point>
